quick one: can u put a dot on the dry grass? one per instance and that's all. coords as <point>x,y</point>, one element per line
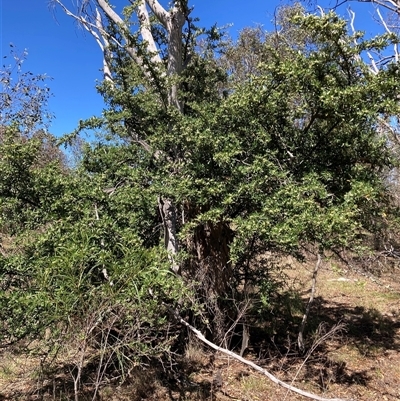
<point>362,363</point>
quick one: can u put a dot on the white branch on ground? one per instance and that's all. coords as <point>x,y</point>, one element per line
<point>273,378</point>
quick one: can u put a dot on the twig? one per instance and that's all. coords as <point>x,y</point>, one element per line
<point>300,339</point>
<point>387,29</point>
<point>317,342</point>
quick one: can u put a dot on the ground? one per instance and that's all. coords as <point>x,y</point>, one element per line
<point>353,343</point>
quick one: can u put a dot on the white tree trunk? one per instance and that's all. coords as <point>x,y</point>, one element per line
<point>168,215</point>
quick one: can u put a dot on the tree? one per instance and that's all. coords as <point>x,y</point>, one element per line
<point>233,164</point>
<point>390,5</point>
<point>26,148</point>
<point>32,178</point>
<point>240,174</point>
<point>385,15</point>
<point>23,97</point>
<point>143,48</point>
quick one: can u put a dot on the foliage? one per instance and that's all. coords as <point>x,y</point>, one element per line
<point>31,180</point>
<point>291,155</point>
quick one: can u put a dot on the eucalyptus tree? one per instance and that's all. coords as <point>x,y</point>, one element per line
<point>151,37</point>
<point>153,69</point>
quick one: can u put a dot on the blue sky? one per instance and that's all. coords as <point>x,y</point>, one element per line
<point>58,47</point>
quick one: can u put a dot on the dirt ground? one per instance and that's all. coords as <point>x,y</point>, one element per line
<point>358,360</point>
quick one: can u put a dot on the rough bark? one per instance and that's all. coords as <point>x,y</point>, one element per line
<point>210,269</point>
<point>210,246</point>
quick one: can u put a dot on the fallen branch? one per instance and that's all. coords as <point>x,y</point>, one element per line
<point>201,337</point>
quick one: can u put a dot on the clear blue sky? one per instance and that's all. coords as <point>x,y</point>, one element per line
<point>58,47</point>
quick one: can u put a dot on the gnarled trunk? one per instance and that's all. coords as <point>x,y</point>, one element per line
<point>211,269</point>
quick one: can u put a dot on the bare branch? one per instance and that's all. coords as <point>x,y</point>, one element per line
<point>373,63</point>
<point>111,14</point>
<point>137,139</point>
<point>145,31</point>
<point>352,19</point>
<point>93,27</point>
<point>390,5</point>
<point>319,340</point>
<point>159,11</point>
<point>106,66</point>
<point>98,32</point>
<point>391,129</point>
<point>102,42</point>
<point>395,46</point>
<point>300,339</point>
<point>374,69</point>
<point>273,378</point>
<point>120,22</point>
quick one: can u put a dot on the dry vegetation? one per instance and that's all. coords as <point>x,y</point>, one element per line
<point>359,361</point>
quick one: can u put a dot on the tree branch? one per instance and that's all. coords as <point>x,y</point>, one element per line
<point>391,129</point>
<point>104,47</point>
<point>145,31</point>
<point>92,27</point>
<point>168,216</point>
<point>273,378</point>
<point>120,22</point>
<point>300,339</point>
<point>390,5</point>
<point>395,46</point>
<point>112,14</point>
<point>102,41</point>
<point>159,11</point>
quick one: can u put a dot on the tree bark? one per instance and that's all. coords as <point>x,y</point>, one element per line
<point>168,216</point>
<point>210,269</point>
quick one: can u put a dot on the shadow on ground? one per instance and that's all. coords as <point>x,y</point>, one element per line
<point>367,330</point>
